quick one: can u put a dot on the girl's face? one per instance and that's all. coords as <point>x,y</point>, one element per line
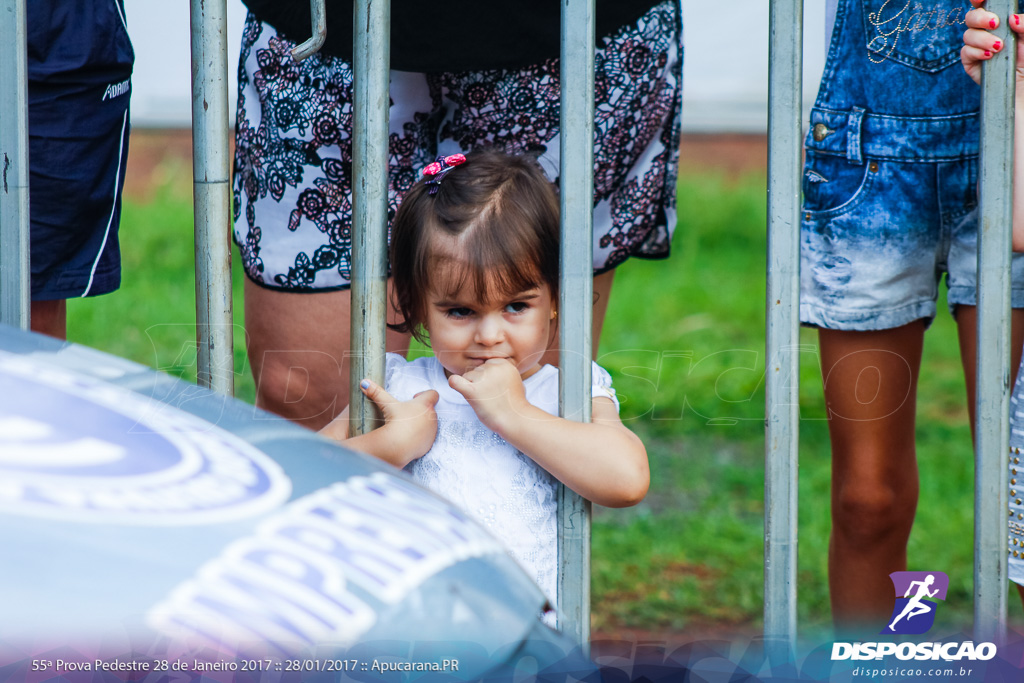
<point>465,332</point>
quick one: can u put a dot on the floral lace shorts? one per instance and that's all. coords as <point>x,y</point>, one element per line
<point>293,144</point>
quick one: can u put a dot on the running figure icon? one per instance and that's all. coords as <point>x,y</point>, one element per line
<point>915,606</point>
<point>917,594</point>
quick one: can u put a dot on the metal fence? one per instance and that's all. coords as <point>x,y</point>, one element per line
<point>212,197</point>
<point>212,193</point>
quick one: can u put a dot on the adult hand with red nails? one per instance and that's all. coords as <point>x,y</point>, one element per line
<point>980,44</point>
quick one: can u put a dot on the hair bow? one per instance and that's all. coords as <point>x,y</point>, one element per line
<point>438,168</point>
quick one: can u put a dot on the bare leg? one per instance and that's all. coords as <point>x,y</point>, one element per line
<point>602,292</point>
<point>50,317</point>
<point>967,322</point>
<point>967,326</point>
<point>299,349</point>
<point>870,390</point>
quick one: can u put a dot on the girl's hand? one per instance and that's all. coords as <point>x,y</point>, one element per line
<point>410,427</point>
<point>495,391</point>
<point>980,45</point>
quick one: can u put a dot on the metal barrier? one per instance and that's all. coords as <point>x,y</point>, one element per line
<point>211,195</point>
<point>369,262</point>
<point>14,230</point>
<point>576,285</point>
<point>214,324</point>
<point>371,60</point>
<point>211,178</point>
<point>782,410</point>
<point>992,404</point>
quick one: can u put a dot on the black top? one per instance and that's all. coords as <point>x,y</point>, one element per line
<point>452,35</point>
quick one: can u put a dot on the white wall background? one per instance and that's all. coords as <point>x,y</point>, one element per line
<point>725,78</point>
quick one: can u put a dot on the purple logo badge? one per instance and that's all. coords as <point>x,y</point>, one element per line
<point>916,596</point>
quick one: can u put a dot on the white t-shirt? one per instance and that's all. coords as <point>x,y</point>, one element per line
<point>504,490</point>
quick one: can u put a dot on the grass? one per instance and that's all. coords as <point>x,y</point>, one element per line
<point>151,318</point>
<point>689,366</point>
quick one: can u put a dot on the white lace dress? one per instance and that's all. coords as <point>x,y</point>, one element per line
<point>481,473</point>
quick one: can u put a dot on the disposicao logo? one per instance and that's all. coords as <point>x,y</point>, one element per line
<point>916,595</point>
<point>914,613</point>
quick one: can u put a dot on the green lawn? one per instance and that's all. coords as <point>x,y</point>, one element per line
<point>688,364</point>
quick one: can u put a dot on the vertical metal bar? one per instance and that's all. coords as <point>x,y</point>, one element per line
<point>14,218</point>
<point>371,60</point>
<point>577,286</point>
<point>783,320</point>
<point>211,194</point>
<point>992,400</point>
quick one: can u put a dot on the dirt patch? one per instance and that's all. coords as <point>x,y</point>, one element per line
<point>733,155</point>
<point>667,573</point>
<point>160,156</point>
<point>614,615</point>
<point>605,640</point>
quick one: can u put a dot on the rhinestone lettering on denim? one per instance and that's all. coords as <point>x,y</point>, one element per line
<point>914,17</point>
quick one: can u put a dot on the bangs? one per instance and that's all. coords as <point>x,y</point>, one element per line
<point>451,276</point>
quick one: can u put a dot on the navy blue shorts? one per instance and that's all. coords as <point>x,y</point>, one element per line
<point>80,64</point>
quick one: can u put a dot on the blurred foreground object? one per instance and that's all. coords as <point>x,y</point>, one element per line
<point>149,520</point>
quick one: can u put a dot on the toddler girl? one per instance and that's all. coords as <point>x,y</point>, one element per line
<point>474,258</point>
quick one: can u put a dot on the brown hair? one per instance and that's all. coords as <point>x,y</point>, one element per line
<point>502,213</point>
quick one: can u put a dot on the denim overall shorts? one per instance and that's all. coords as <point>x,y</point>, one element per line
<point>890,180</point>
